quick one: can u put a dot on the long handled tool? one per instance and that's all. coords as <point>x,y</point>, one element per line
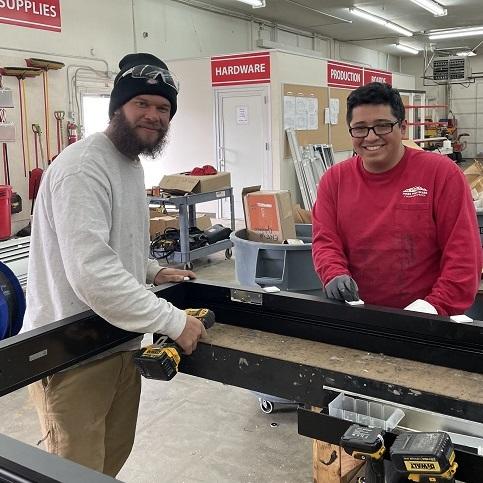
<point>59,117</point>
<point>6,167</point>
<point>45,66</point>
<point>22,73</point>
<point>36,173</point>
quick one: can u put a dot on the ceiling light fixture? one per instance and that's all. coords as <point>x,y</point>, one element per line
<point>455,33</point>
<point>431,6</point>
<point>407,48</point>
<point>466,53</point>
<point>380,21</point>
<point>254,3</point>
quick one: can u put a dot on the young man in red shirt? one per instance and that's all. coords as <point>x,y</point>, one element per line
<point>395,225</point>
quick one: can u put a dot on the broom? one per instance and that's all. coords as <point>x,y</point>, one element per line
<point>45,66</point>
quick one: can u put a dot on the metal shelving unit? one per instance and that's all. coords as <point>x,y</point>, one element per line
<point>186,206</point>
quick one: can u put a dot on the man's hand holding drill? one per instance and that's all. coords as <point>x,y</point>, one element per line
<point>192,333</point>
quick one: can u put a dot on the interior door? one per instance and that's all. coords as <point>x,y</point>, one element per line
<point>243,141</point>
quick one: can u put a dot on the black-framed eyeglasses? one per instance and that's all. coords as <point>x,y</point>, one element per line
<point>379,129</point>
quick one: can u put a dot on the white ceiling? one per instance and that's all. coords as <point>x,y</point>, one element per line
<point>318,16</point>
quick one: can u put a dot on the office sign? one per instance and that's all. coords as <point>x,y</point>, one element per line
<point>344,75</point>
<point>251,68</point>
<point>37,14</point>
<point>373,75</point>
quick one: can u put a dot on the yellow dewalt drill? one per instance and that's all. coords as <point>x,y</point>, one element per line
<point>161,359</point>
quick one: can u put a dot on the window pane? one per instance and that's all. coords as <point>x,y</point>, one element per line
<point>96,113</point>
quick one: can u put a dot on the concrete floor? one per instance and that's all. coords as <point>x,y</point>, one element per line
<point>196,430</point>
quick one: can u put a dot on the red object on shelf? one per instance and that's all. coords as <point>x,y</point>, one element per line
<point>197,172</point>
<point>5,212</point>
<point>206,170</point>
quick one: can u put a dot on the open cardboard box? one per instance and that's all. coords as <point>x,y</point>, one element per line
<point>474,176</point>
<point>411,144</point>
<point>182,183</point>
<point>269,215</point>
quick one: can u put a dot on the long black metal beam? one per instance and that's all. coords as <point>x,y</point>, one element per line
<point>409,335</point>
<point>28,357</point>
<point>326,428</point>
<point>22,463</point>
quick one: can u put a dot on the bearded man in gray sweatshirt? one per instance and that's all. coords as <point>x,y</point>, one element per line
<point>89,250</point>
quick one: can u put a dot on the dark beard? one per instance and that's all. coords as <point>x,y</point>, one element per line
<point>126,140</point>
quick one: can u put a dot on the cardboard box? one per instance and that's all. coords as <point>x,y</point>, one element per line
<point>474,176</point>
<point>158,211</point>
<point>411,144</point>
<point>185,183</point>
<point>268,215</point>
<point>159,223</point>
<point>301,216</point>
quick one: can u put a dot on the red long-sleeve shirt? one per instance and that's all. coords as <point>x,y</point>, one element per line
<point>409,233</point>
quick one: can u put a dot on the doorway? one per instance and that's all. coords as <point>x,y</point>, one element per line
<point>243,140</point>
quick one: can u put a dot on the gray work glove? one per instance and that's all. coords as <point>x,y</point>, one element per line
<point>342,287</point>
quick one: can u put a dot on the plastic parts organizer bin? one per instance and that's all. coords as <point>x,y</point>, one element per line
<point>288,267</point>
<point>368,413</point>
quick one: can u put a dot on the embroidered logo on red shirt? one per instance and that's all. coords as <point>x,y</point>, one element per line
<point>415,191</point>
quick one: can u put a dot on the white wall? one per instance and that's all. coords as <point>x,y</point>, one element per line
<point>403,81</point>
<point>179,31</point>
<point>361,55</point>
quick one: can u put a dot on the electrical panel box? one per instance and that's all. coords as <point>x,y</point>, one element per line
<point>450,69</point>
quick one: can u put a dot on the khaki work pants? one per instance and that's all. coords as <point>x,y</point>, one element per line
<point>88,414</point>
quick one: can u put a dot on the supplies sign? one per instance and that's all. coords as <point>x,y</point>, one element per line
<point>37,14</point>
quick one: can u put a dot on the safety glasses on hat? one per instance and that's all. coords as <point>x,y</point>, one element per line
<point>153,75</point>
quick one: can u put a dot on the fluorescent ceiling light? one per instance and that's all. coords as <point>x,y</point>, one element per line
<point>431,6</point>
<point>254,3</point>
<point>455,33</point>
<point>466,53</point>
<point>408,49</point>
<point>380,21</point>
<point>397,28</point>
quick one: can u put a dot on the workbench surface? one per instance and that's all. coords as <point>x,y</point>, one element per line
<point>393,372</point>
